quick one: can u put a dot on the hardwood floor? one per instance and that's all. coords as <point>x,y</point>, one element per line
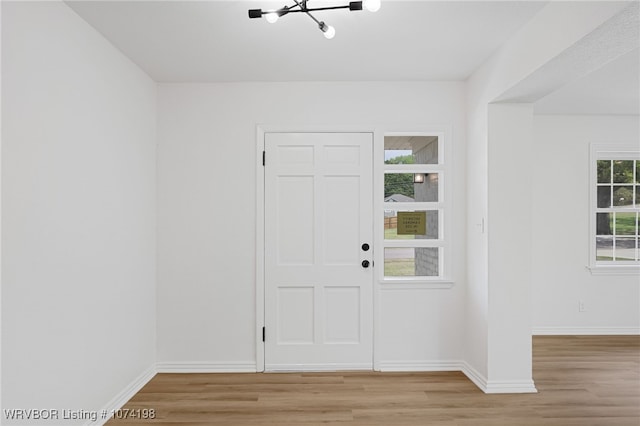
<point>581,380</point>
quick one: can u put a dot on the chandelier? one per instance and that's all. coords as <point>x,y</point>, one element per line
<point>301,6</point>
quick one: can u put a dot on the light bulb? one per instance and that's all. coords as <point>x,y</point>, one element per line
<point>271,17</point>
<point>329,32</point>
<point>372,5</point>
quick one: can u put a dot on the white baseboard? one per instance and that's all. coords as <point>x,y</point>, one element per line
<point>189,367</point>
<point>206,367</point>
<point>282,368</point>
<point>474,375</point>
<point>585,331</point>
<point>250,367</point>
<point>510,387</point>
<point>494,386</point>
<point>125,395</point>
<point>421,365</point>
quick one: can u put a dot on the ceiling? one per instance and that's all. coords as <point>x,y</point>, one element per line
<point>612,89</point>
<point>215,41</point>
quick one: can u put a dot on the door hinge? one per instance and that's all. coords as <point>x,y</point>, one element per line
<point>264,157</point>
<point>263,334</point>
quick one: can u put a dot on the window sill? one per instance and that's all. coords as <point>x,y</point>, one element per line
<point>614,270</point>
<point>399,284</point>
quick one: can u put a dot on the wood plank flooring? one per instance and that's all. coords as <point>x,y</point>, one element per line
<point>581,380</point>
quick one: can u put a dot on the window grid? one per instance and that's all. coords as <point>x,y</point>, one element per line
<point>426,258</point>
<point>617,211</point>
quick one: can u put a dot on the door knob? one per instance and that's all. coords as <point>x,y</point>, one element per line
<point>365,247</point>
<point>365,263</point>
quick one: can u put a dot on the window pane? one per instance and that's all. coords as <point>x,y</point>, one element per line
<point>637,172</point>
<point>622,195</point>
<point>400,187</point>
<point>637,195</point>
<point>604,171</point>
<point>604,248</point>
<point>626,224</point>
<point>391,226</point>
<point>604,225</point>
<point>411,150</point>
<point>604,196</point>
<point>625,248</point>
<point>411,262</point>
<point>623,171</point>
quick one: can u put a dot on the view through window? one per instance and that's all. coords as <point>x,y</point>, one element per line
<point>413,203</point>
<point>617,210</point>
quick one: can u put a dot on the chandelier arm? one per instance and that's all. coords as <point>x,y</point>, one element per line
<point>315,9</point>
<point>305,10</point>
<point>281,12</point>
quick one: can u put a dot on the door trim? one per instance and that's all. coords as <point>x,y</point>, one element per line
<point>379,131</point>
<point>260,225</point>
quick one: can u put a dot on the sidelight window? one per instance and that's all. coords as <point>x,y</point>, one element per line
<point>415,241</point>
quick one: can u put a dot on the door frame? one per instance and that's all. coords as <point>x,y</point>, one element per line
<point>379,131</point>
<point>260,225</point>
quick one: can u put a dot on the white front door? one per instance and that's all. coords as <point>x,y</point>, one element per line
<point>318,233</point>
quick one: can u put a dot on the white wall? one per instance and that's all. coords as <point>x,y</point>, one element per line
<point>561,238</point>
<point>519,60</point>
<point>1,73</point>
<point>509,225</point>
<point>207,212</point>
<point>78,214</point>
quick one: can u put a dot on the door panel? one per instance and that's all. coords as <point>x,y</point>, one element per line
<point>318,213</point>
<point>296,232</point>
<point>295,315</point>
<point>341,237</point>
<point>344,329</point>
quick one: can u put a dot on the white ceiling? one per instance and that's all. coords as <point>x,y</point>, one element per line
<point>215,41</point>
<point>612,89</point>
